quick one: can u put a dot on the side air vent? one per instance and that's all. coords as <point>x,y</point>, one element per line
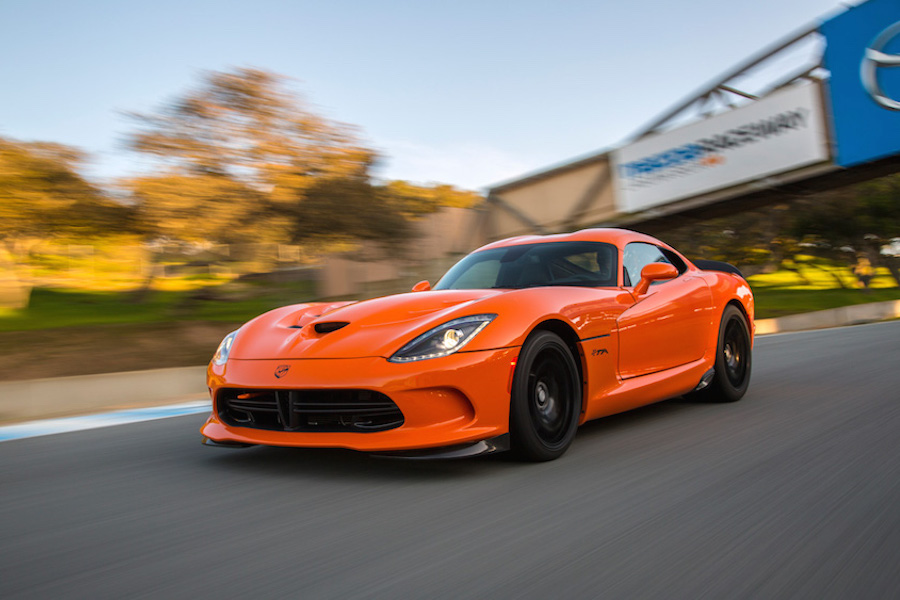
<point>330,326</point>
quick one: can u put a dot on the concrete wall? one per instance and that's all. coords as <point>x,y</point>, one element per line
<point>438,240</point>
<point>832,317</point>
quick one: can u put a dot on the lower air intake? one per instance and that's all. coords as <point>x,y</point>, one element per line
<point>308,410</point>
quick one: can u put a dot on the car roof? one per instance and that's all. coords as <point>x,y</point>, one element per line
<point>610,235</point>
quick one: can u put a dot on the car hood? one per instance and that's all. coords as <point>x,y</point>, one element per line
<point>377,327</point>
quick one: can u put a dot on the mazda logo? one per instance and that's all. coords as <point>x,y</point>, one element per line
<point>282,370</point>
<point>874,58</point>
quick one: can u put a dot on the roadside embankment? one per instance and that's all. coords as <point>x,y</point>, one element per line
<point>832,317</point>
<point>82,394</point>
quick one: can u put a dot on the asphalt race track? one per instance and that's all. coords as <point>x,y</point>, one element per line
<point>794,492</point>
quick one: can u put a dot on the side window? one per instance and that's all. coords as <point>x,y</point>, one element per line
<point>596,267</point>
<point>638,255</point>
<point>675,260</point>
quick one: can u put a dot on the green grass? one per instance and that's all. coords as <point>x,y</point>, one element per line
<point>812,287</point>
<point>778,302</point>
<point>54,308</point>
<point>813,284</point>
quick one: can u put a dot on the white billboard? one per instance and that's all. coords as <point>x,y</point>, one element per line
<point>779,133</point>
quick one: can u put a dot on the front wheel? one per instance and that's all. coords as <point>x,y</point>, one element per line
<point>733,360</point>
<point>546,398</point>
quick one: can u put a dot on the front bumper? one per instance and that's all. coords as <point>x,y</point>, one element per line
<point>445,401</point>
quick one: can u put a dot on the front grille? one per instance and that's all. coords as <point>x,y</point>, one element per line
<point>308,410</point>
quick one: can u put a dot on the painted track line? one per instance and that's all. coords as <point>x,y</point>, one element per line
<point>120,417</point>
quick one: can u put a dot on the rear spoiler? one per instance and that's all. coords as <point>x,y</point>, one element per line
<point>715,265</point>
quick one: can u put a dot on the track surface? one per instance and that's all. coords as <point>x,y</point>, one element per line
<point>794,492</point>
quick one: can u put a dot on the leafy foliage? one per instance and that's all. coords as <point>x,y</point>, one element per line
<point>245,159</point>
<point>246,125</point>
<point>197,208</point>
<point>42,194</point>
<point>414,201</point>
<point>846,226</point>
<point>852,225</point>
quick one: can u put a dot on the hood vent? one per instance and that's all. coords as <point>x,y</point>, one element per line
<point>330,326</point>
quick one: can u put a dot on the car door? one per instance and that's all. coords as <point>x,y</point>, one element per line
<point>667,327</point>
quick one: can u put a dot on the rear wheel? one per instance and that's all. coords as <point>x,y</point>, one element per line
<point>546,398</point>
<point>733,360</point>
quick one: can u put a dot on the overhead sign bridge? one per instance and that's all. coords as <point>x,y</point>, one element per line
<point>757,134</point>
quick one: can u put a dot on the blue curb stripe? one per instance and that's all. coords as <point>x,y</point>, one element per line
<point>120,417</point>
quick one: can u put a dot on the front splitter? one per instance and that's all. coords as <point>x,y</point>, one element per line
<point>489,446</point>
<point>480,448</point>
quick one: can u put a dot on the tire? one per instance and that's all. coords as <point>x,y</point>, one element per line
<point>734,359</point>
<point>546,399</point>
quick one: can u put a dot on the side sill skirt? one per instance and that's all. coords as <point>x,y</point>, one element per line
<point>706,379</point>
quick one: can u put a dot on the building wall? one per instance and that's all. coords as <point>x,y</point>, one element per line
<point>440,238</point>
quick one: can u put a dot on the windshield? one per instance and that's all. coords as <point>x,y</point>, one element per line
<point>590,264</point>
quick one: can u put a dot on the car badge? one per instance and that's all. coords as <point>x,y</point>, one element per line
<point>876,57</point>
<point>282,370</point>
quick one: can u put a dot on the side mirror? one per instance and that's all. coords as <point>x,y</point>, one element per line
<point>422,286</point>
<point>654,272</point>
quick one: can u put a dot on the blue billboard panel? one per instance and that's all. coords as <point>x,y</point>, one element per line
<point>863,55</point>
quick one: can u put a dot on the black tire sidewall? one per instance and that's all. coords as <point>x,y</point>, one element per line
<point>721,389</point>
<point>526,443</point>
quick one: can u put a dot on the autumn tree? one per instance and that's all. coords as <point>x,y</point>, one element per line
<point>197,208</point>
<point>245,158</point>
<point>43,196</point>
<point>417,200</point>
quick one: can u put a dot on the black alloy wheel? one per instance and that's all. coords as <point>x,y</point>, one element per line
<point>733,360</point>
<point>736,351</point>
<point>546,398</point>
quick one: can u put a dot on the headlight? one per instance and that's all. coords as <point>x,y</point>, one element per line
<point>443,340</point>
<point>224,349</point>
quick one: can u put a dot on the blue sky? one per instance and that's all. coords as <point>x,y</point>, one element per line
<point>463,92</point>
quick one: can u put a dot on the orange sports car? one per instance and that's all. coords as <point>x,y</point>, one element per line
<point>518,344</point>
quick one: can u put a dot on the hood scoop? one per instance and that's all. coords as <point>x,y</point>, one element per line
<point>329,326</point>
